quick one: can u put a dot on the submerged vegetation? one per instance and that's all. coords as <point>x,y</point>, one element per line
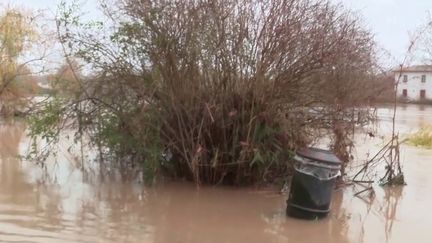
<point>212,91</point>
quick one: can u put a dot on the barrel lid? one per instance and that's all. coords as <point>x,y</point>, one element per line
<point>320,155</point>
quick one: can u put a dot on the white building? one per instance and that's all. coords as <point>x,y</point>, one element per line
<point>414,82</point>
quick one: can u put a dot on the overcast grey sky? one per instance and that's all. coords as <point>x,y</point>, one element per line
<point>390,20</point>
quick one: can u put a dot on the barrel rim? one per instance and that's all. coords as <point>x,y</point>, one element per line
<point>319,155</point>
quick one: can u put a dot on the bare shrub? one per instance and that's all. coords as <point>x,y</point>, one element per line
<point>228,88</point>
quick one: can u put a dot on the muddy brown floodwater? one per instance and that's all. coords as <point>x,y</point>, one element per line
<point>72,208</point>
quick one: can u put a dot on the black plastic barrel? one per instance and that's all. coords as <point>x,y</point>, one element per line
<point>312,183</point>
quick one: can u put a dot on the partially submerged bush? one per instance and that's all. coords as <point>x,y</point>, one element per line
<point>228,89</point>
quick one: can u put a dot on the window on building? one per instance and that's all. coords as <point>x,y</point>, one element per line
<point>423,79</point>
<point>422,94</point>
<point>405,78</point>
<point>404,93</point>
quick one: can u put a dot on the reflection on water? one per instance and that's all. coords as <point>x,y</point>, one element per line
<point>409,117</point>
<point>78,209</point>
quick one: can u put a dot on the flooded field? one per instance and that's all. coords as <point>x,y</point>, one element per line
<point>72,208</point>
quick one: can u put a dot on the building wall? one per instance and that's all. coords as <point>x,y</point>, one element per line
<point>414,85</point>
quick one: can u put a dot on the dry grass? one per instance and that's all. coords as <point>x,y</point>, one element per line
<point>422,138</point>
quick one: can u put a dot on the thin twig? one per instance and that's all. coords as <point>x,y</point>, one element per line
<point>360,192</point>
